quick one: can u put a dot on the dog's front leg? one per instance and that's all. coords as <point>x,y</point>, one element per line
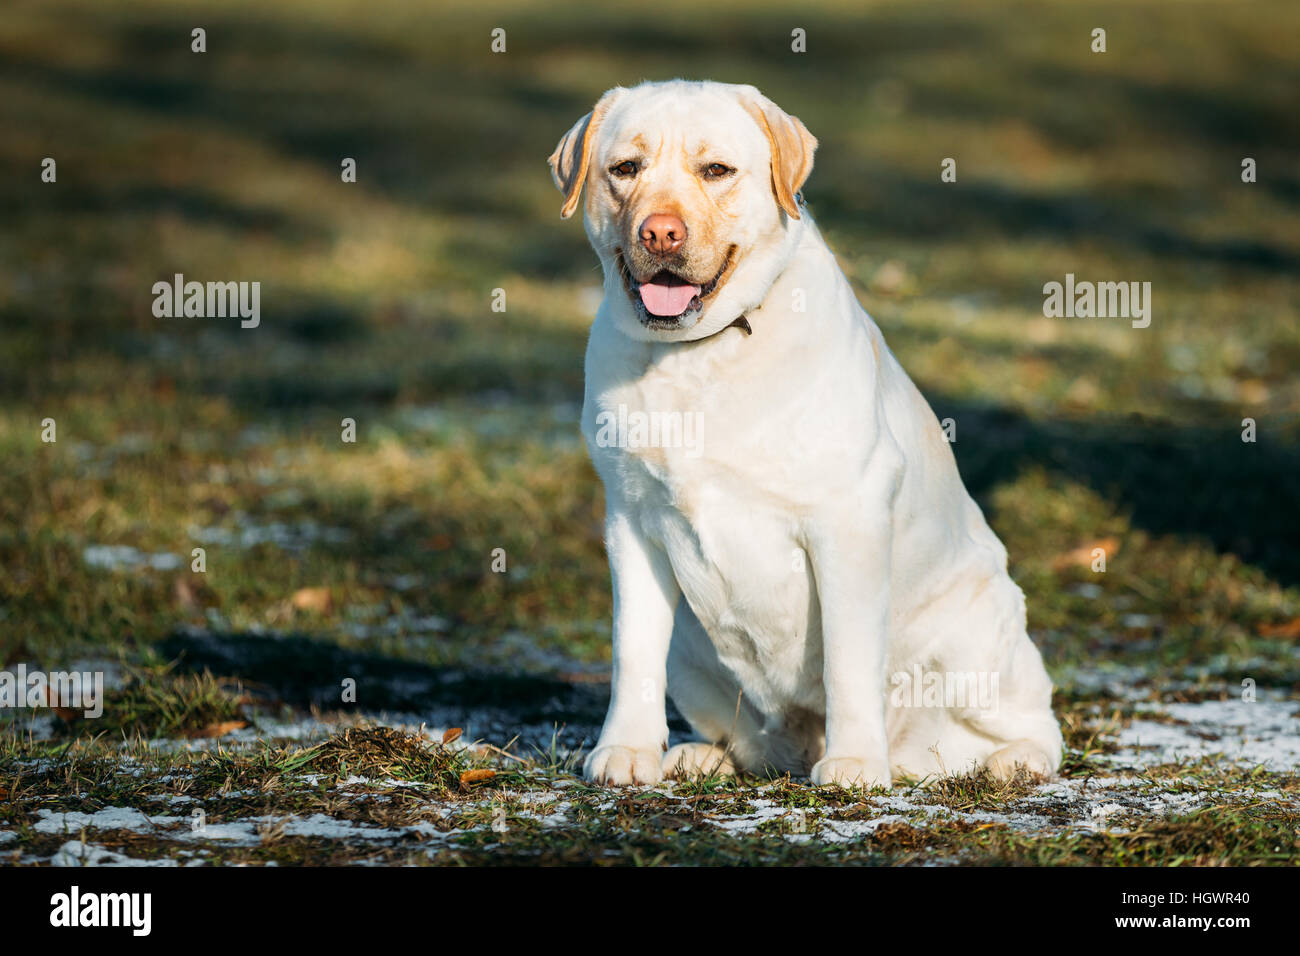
<point>635,735</point>
<point>852,568</point>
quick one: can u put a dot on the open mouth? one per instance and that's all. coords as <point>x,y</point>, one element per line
<point>665,299</point>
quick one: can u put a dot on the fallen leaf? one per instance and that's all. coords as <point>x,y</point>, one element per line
<point>1253,391</point>
<point>453,733</point>
<point>1082,392</point>
<point>184,594</point>
<point>4,793</point>
<point>66,714</point>
<point>476,776</point>
<point>890,278</point>
<point>584,677</point>
<point>320,600</point>
<point>216,505</point>
<point>219,730</point>
<point>1082,556</point>
<point>1289,628</point>
<point>164,387</point>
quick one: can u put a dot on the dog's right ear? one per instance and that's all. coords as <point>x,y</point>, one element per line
<point>571,157</point>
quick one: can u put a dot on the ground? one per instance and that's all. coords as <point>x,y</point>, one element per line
<point>378,560</point>
<point>1197,780</point>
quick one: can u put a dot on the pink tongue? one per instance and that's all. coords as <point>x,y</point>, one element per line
<point>664,299</point>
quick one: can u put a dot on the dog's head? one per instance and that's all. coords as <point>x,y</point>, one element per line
<point>692,201</point>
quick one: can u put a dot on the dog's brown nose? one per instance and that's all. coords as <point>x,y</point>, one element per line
<point>662,233</point>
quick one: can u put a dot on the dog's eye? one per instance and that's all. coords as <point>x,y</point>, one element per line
<point>717,171</point>
<point>629,167</point>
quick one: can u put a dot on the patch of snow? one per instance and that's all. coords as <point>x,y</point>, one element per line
<point>121,557</point>
<point>76,853</point>
<point>764,810</point>
<point>110,818</point>
<point>288,537</point>
<point>1261,733</point>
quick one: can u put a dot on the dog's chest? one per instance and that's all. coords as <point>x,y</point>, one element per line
<point>703,466</point>
<point>739,566</point>
<point>735,553</point>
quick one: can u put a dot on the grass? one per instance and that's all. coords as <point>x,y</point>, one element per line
<point>386,753</point>
<point>157,703</point>
<point>376,560</point>
<point>431,818</point>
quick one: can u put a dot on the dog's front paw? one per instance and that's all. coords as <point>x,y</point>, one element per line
<point>850,772</point>
<point>623,766</point>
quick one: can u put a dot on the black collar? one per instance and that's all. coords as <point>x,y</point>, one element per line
<point>741,323</point>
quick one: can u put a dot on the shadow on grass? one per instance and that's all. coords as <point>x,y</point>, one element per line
<point>463,137</point>
<point>471,128</point>
<point>1175,480</point>
<point>914,207</point>
<point>308,673</point>
<point>305,672</point>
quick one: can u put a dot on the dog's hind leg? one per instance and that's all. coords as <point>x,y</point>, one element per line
<point>1023,731</point>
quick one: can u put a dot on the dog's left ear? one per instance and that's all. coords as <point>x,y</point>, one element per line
<point>792,148</point>
<point>571,157</point>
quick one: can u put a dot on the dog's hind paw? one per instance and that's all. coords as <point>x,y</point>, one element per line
<point>1021,757</point>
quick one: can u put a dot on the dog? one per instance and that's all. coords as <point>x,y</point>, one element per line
<point>815,548</point>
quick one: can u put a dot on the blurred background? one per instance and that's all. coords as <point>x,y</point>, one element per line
<point>174,434</point>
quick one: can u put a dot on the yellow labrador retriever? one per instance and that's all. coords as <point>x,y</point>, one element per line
<point>795,560</point>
